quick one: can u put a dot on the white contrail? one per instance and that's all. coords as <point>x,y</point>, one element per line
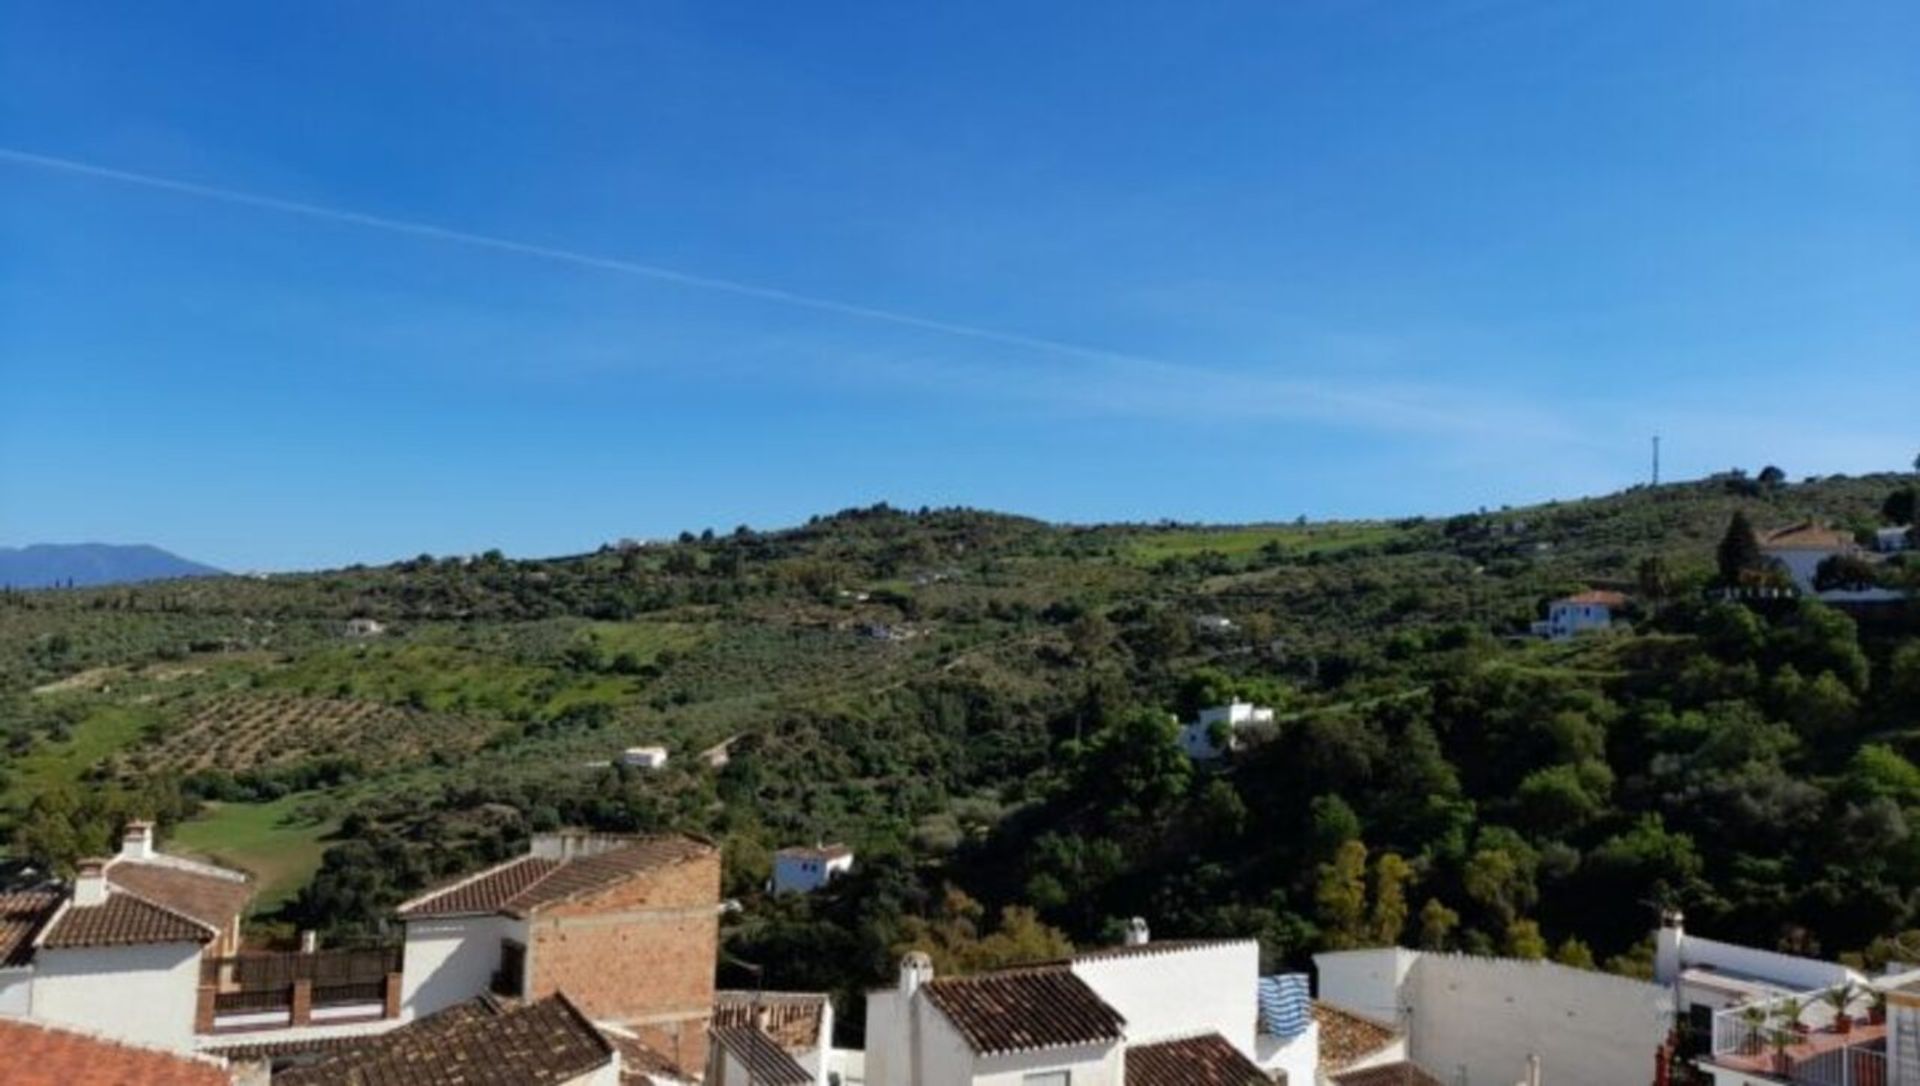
<point>566,256</point>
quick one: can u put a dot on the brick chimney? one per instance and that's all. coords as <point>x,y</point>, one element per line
<point>136,842</point>
<point>90,883</point>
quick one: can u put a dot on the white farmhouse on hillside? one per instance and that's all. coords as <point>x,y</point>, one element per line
<point>1586,612</point>
<point>644,757</point>
<point>1141,1014</point>
<point>1893,540</point>
<point>804,870</point>
<point>1217,730</point>
<point>365,627</point>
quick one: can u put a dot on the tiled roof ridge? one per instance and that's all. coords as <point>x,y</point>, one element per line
<point>178,863</point>
<point>764,1057</point>
<point>427,896</point>
<point>580,1018</point>
<point>519,905</point>
<point>747,994</point>
<point>119,891</point>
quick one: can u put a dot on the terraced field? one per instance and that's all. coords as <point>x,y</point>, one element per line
<point>237,732</point>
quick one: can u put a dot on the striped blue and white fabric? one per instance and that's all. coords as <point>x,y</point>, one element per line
<point>1284,1005</point>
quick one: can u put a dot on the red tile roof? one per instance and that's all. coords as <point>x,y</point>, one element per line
<point>791,1018</point>
<point>36,1054</point>
<point>1206,1060</point>
<point>22,915</point>
<point>123,920</point>
<point>821,852</point>
<point>1019,1010</point>
<point>1346,1037</point>
<point>1391,1074</point>
<point>210,898</point>
<point>766,1062</point>
<point>1598,596</point>
<point>518,887</point>
<point>479,1043</point>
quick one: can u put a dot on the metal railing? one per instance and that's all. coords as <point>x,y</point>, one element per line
<point>1803,1039</point>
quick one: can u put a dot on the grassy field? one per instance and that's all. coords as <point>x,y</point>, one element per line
<point>104,732</point>
<point>1240,542</point>
<point>275,841</point>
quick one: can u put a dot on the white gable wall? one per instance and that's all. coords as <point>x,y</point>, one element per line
<point>1487,1015</point>
<point>145,994</point>
<point>1181,992</point>
<point>1367,982</point>
<point>451,960</point>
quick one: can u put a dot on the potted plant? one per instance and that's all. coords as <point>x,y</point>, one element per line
<point>1877,1007</point>
<point>1754,1038</point>
<point>1781,1038</point>
<point>1840,997</point>
<point>1789,1009</point>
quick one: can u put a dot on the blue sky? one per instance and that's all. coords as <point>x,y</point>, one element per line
<point>1083,261</point>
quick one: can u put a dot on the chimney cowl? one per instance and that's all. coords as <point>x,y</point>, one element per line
<point>1137,932</point>
<point>90,882</point>
<point>916,968</point>
<point>136,841</point>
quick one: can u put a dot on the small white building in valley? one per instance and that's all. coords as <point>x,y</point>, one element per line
<point>804,870</point>
<point>1218,730</point>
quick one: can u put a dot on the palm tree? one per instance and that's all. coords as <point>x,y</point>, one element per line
<point>1840,997</point>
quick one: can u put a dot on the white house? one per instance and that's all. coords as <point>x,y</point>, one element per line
<point>1217,730</point>
<point>1586,612</point>
<point>1893,540</point>
<point>1800,548</point>
<point>804,870</point>
<point>1493,1020</point>
<point>1141,1014</point>
<point>365,627</point>
<point>1213,625</point>
<point>120,951</point>
<point>644,757</point>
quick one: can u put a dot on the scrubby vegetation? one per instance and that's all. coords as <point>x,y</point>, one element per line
<point>982,706</point>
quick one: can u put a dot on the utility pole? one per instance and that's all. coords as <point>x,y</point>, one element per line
<point>1656,460</point>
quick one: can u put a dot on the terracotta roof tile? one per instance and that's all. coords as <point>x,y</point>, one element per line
<point>37,1054</point>
<point>1346,1037</point>
<point>766,1062</point>
<point>520,886</point>
<point>486,892</point>
<point>22,915</point>
<point>209,898</point>
<point>478,1043</point>
<point>1206,1060</point>
<point>123,920</point>
<point>820,852</point>
<point>1018,1010</point>
<point>640,1063</point>
<point>791,1018</point>
<point>1601,597</point>
<point>1403,1073</point>
<point>1807,536</point>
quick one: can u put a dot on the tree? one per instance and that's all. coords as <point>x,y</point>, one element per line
<point>1523,940</point>
<point>1390,877</point>
<point>1575,953</point>
<point>1342,897</point>
<point>1771,476</point>
<point>1739,551</point>
<point>1845,571</point>
<point>1436,925</point>
<point>1089,635</point>
<point>1901,505</point>
<point>1654,577</point>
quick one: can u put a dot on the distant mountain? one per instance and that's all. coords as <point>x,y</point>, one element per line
<point>51,565</point>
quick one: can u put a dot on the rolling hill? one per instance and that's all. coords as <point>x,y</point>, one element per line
<point>81,565</point>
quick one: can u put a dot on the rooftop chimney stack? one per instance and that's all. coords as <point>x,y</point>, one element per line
<point>137,842</point>
<point>1137,934</point>
<point>90,883</point>
<point>1668,957</point>
<point>915,969</point>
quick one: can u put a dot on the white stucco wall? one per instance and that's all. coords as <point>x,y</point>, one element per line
<point>1678,950</point>
<point>1367,982</point>
<point>1299,1057</point>
<point>803,874</point>
<point>447,961</point>
<point>1178,993</point>
<point>1487,1015</point>
<point>16,991</point>
<point>1085,1065</point>
<point>145,994</point>
<point>885,1054</point>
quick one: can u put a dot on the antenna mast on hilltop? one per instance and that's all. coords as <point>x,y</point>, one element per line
<point>1656,460</point>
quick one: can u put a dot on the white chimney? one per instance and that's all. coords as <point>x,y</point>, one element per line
<point>1667,957</point>
<point>137,842</point>
<point>915,969</point>
<point>90,883</point>
<point>309,941</point>
<point>1137,934</point>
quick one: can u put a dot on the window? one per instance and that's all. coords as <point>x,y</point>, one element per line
<point>509,979</point>
<point>1047,1078</point>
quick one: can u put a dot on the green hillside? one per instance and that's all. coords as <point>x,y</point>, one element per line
<point>979,704</point>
